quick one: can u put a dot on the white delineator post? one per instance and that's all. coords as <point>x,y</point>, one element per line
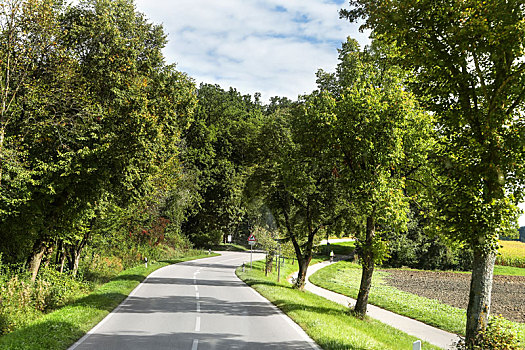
<point>416,345</point>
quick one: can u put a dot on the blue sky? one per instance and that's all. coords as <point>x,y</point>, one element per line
<point>272,47</point>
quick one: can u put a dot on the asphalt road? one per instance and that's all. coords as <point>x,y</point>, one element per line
<point>196,305</point>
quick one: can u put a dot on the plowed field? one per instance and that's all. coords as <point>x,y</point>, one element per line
<point>508,292</point>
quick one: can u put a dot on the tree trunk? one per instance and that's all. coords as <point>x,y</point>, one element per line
<point>368,268</point>
<point>480,293</point>
<point>269,261</point>
<point>2,133</point>
<point>35,260</point>
<point>47,254</point>
<point>301,275</point>
<point>62,262</point>
<point>76,261</point>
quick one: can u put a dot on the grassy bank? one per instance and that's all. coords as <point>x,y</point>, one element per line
<point>344,278</point>
<point>340,248</point>
<point>61,328</point>
<point>328,323</point>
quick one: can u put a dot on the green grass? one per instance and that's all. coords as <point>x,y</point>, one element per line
<point>509,270</point>
<point>61,328</point>
<point>230,247</point>
<point>326,322</point>
<point>344,278</point>
<point>341,248</point>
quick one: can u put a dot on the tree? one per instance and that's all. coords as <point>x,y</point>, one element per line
<point>467,57</point>
<point>296,178</point>
<point>380,137</point>
<point>218,151</point>
<point>100,120</point>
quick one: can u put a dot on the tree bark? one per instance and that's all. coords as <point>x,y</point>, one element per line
<point>269,261</point>
<point>480,294</point>
<point>76,250</point>
<point>368,268</point>
<point>301,275</point>
<point>35,259</point>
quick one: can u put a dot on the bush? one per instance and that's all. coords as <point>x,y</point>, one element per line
<point>17,303</point>
<point>54,289</point>
<point>418,250</point>
<point>100,269</point>
<point>498,335</point>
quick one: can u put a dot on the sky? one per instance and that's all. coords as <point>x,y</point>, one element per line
<point>269,46</point>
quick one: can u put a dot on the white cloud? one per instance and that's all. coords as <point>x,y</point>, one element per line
<point>273,47</point>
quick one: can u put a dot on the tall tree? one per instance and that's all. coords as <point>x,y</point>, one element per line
<point>296,176</point>
<point>103,115</point>
<point>379,136</point>
<point>467,56</point>
<point>218,151</point>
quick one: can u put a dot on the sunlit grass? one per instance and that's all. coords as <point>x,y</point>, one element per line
<point>344,278</point>
<point>328,323</point>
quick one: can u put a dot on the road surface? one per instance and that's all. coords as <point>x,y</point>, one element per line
<point>196,305</point>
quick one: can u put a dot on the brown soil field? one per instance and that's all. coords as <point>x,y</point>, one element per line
<point>508,292</point>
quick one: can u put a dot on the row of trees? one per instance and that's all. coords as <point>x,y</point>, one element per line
<point>90,123</point>
<point>102,143</point>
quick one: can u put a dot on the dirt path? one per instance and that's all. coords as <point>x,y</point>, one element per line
<point>508,292</point>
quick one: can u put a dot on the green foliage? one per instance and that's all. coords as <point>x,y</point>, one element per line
<point>417,249</point>
<point>467,61</point>
<point>102,114</point>
<point>218,152</point>
<point>22,301</point>
<point>295,176</point>
<point>499,334</point>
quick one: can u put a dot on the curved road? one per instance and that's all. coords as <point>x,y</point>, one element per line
<point>197,305</point>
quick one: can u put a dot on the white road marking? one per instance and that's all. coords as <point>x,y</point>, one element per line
<point>196,288</point>
<point>294,325</point>
<point>198,307</point>
<point>197,295</point>
<point>198,324</point>
<point>195,344</point>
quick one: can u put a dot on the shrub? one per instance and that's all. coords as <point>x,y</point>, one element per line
<point>17,303</point>
<point>415,249</point>
<point>101,269</point>
<point>57,289</point>
<point>498,335</point>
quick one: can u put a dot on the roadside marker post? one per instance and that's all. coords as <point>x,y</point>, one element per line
<point>251,241</point>
<point>416,345</point>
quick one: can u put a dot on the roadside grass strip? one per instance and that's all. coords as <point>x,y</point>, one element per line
<point>329,324</point>
<point>344,278</point>
<point>61,328</point>
<point>339,248</point>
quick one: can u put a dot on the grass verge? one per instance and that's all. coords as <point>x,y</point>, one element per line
<point>344,278</point>
<point>230,247</point>
<point>61,328</point>
<point>340,248</point>
<point>328,323</point>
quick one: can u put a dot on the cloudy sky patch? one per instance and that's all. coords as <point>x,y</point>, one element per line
<point>273,47</point>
